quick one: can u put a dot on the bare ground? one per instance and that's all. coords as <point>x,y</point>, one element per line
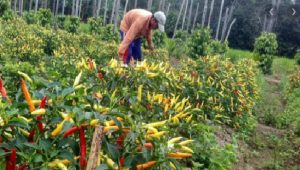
<point>263,151</point>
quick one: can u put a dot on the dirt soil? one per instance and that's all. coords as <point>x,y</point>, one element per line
<point>261,152</point>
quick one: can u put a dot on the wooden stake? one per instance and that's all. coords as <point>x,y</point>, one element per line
<point>95,148</point>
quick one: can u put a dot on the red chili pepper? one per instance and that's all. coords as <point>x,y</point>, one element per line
<point>31,135</point>
<point>43,102</point>
<point>122,160</point>
<point>71,131</point>
<point>11,162</point>
<point>82,148</point>
<point>120,141</point>
<point>39,117</point>
<point>100,75</point>
<point>22,166</point>
<point>41,126</point>
<point>2,90</point>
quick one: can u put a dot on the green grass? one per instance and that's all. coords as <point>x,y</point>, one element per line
<point>283,66</point>
<point>83,27</point>
<point>236,54</point>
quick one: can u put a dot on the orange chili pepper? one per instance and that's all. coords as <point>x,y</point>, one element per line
<point>27,96</point>
<point>146,165</point>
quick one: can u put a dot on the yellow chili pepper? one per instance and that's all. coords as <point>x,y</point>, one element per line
<point>39,112</point>
<point>58,129</point>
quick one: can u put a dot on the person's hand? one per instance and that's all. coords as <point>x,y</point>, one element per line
<point>151,48</point>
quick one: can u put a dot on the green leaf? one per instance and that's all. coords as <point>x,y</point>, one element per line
<point>18,122</point>
<point>65,154</point>
<point>54,153</point>
<point>2,153</point>
<point>128,160</point>
<point>112,149</point>
<point>38,158</point>
<point>102,167</point>
<point>45,144</point>
<point>32,145</point>
<point>67,91</point>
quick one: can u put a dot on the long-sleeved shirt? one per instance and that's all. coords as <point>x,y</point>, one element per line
<point>136,23</point>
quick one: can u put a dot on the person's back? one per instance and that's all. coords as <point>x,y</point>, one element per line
<point>140,16</point>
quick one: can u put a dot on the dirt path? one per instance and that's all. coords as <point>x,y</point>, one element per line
<point>264,149</point>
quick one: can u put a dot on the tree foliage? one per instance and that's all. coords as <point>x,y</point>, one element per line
<point>265,47</point>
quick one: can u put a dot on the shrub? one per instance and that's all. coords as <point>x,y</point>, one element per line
<point>159,39</point>
<point>294,80</point>
<point>176,47</point>
<point>108,33</point>
<point>265,47</point>
<point>61,22</point>
<point>4,6</point>
<point>297,57</point>
<point>74,24</point>
<point>18,42</point>
<point>8,15</point>
<point>199,43</point>
<point>95,24</point>
<point>217,47</point>
<point>182,35</point>
<point>30,17</point>
<point>44,17</point>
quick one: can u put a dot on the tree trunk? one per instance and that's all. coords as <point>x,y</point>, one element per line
<point>30,5</point>
<point>190,15</point>
<point>185,11</point>
<point>265,23</point>
<point>225,24</point>
<point>80,7</point>
<point>159,6</point>
<point>113,12</point>
<point>204,13</point>
<point>36,5</point>
<point>21,7</point>
<point>73,7</point>
<point>196,15</point>
<point>125,8</point>
<point>163,5</point>
<point>63,7</point>
<point>46,4</point>
<point>219,22</point>
<point>167,12</point>
<point>178,18</point>
<point>99,7</point>
<point>274,15</point>
<point>229,30</point>
<point>210,12</point>
<point>116,16</point>
<point>56,8</point>
<point>105,11</point>
<point>77,8</point>
<point>15,5</point>
<point>53,6</point>
<point>135,3</point>
<point>94,8</point>
<point>149,5</point>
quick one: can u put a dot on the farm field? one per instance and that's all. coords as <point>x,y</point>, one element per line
<point>195,102</point>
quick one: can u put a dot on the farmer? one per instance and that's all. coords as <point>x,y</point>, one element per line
<point>135,24</point>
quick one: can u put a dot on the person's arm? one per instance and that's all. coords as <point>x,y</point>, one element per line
<point>129,37</point>
<point>149,40</point>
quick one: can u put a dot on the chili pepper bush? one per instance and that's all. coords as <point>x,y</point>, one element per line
<point>153,115</point>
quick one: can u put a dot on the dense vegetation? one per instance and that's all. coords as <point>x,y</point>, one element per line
<point>59,80</point>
